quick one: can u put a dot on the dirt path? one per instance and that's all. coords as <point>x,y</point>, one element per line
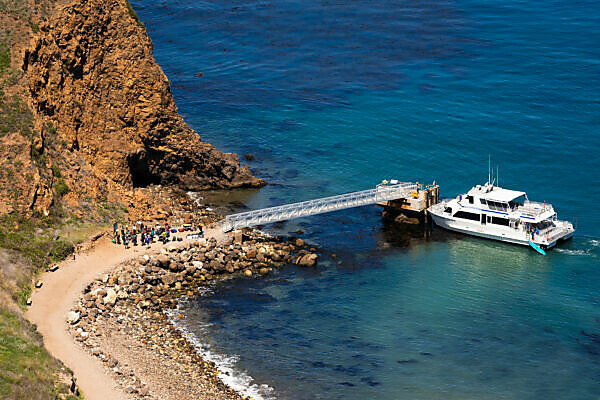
<point>60,291</point>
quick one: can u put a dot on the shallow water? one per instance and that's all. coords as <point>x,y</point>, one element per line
<point>333,96</point>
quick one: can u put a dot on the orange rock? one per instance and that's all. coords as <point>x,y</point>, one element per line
<point>89,70</point>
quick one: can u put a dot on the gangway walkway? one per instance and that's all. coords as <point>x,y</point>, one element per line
<point>319,206</point>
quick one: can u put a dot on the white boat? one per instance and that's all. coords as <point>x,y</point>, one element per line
<point>492,212</point>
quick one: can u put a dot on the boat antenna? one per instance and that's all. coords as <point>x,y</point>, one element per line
<point>489,167</point>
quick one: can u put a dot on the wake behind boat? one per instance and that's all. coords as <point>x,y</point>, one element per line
<point>493,212</point>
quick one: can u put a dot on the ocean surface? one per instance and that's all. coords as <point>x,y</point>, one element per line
<point>332,96</point>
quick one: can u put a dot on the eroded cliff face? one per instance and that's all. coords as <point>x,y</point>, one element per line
<point>103,121</point>
<point>92,72</point>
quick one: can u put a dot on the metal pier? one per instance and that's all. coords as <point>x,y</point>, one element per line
<point>319,206</point>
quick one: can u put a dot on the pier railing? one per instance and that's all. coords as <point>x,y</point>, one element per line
<point>318,206</point>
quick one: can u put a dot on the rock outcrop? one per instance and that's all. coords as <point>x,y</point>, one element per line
<point>102,111</point>
<point>91,70</point>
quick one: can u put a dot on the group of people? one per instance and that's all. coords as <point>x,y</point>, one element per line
<point>146,234</point>
<point>533,231</point>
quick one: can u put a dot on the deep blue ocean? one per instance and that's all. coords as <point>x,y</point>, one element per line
<point>333,96</point>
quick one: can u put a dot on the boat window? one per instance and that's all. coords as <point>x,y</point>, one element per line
<point>448,210</point>
<point>497,206</point>
<point>500,221</point>
<point>470,198</point>
<point>482,201</point>
<point>519,201</point>
<point>467,215</point>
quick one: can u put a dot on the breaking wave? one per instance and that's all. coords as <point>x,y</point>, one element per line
<point>237,380</point>
<point>579,252</point>
<point>589,248</point>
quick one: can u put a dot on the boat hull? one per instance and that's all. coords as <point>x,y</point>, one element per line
<point>474,229</point>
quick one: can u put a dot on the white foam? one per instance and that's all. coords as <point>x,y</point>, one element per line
<point>237,380</point>
<point>573,252</point>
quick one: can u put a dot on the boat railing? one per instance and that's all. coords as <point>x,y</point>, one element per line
<point>553,232</point>
<point>533,208</point>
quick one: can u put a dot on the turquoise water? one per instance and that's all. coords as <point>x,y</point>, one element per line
<point>334,96</point>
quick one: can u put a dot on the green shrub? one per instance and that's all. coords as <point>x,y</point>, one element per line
<point>15,115</point>
<point>21,234</point>
<point>56,171</point>
<point>133,13</point>
<point>51,128</point>
<point>4,56</point>
<point>61,187</point>
<point>25,366</point>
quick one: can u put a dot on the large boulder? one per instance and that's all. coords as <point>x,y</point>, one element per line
<point>73,317</point>
<point>164,260</point>
<point>169,278</point>
<point>185,256</point>
<point>176,267</point>
<point>111,297</point>
<point>308,260</point>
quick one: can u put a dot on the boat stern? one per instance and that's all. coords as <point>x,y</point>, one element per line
<point>563,230</point>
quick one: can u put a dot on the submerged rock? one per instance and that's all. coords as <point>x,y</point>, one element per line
<point>308,260</point>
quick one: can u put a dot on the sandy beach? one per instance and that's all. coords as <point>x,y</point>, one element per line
<point>52,302</point>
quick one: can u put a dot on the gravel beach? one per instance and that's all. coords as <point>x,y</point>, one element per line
<point>122,318</point>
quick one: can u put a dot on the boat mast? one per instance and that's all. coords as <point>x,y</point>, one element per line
<point>489,166</point>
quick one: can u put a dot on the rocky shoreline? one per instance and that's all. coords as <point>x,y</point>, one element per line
<point>123,318</point>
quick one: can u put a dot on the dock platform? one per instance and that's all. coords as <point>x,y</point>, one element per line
<point>413,208</point>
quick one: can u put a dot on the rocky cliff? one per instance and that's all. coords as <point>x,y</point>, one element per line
<point>103,117</point>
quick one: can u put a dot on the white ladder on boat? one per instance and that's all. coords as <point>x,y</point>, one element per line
<point>318,206</point>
